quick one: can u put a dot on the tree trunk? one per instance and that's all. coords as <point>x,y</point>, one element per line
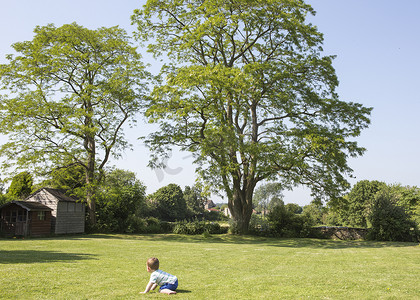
<point>90,147</point>
<point>91,206</point>
<point>241,208</point>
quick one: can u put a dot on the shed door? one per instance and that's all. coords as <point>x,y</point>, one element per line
<point>20,225</point>
<point>20,228</point>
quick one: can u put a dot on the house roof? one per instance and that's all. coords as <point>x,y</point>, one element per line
<point>29,205</point>
<point>59,194</point>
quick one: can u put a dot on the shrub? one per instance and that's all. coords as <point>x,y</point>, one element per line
<point>259,226</point>
<point>389,221</point>
<point>233,226</point>
<point>153,225</point>
<point>284,223</point>
<point>358,203</point>
<point>197,227</point>
<point>148,225</point>
<point>136,225</point>
<point>213,216</point>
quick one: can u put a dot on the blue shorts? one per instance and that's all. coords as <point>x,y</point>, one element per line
<point>170,286</point>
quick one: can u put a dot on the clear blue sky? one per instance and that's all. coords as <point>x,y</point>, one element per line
<point>376,42</point>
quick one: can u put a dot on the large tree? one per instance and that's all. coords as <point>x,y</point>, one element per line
<point>249,93</point>
<point>69,91</point>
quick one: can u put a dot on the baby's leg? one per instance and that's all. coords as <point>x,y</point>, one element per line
<point>167,291</point>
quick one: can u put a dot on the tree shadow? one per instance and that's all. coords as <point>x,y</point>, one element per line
<point>255,240</point>
<point>36,256</point>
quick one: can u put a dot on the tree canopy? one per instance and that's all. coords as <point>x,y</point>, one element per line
<point>248,92</point>
<point>69,92</point>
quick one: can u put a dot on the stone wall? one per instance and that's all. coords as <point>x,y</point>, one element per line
<point>343,233</point>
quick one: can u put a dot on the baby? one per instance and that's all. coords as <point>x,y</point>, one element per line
<point>168,283</point>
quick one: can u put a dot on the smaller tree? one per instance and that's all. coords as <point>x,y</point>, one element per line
<point>71,180</point>
<point>409,198</point>
<point>360,201</point>
<point>315,211</point>
<point>3,198</point>
<point>285,223</point>
<point>194,200</point>
<point>169,203</point>
<point>391,222</point>
<point>267,195</point>
<point>121,198</point>
<point>294,208</point>
<point>21,186</point>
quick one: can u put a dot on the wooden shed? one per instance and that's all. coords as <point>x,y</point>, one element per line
<point>68,214</point>
<point>25,218</point>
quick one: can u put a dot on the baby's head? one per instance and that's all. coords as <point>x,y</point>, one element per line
<point>153,264</point>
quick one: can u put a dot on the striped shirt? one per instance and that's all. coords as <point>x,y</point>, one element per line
<point>161,277</point>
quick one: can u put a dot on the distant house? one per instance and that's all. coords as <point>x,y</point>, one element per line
<point>209,205</point>
<point>226,212</point>
<point>68,214</point>
<point>25,218</point>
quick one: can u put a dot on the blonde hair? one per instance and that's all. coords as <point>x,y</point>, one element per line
<point>153,263</point>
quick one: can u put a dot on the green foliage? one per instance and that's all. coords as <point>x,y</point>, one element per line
<point>148,225</point>
<point>168,203</point>
<point>409,198</point>
<point>332,218</point>
<point>266,195</point>
<point>3,199</point>
<point>72,180</point>
<point>250,94</point>
<point>194,200</point>
<point>285,223</point>
<point>214,216</point>
<point>198,227</point>
<point>70,90</point>
<point>21,186</point>
<point>120,201</point>
<point>259,226</point>
<point>357,206</point>
<point>390,221</point>
<point>294,208</point>
<point>315,212</point>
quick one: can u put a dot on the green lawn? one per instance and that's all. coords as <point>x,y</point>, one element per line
<point>219,267</point>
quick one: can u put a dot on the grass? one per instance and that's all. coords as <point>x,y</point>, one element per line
<point>218,267</point>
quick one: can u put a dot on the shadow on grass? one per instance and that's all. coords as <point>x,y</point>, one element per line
<point>35,256</point>
<point>244,239</point>
<point>182,291</point>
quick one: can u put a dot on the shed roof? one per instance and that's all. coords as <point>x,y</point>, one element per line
<point>58,194</point>
<point>29,205</point>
